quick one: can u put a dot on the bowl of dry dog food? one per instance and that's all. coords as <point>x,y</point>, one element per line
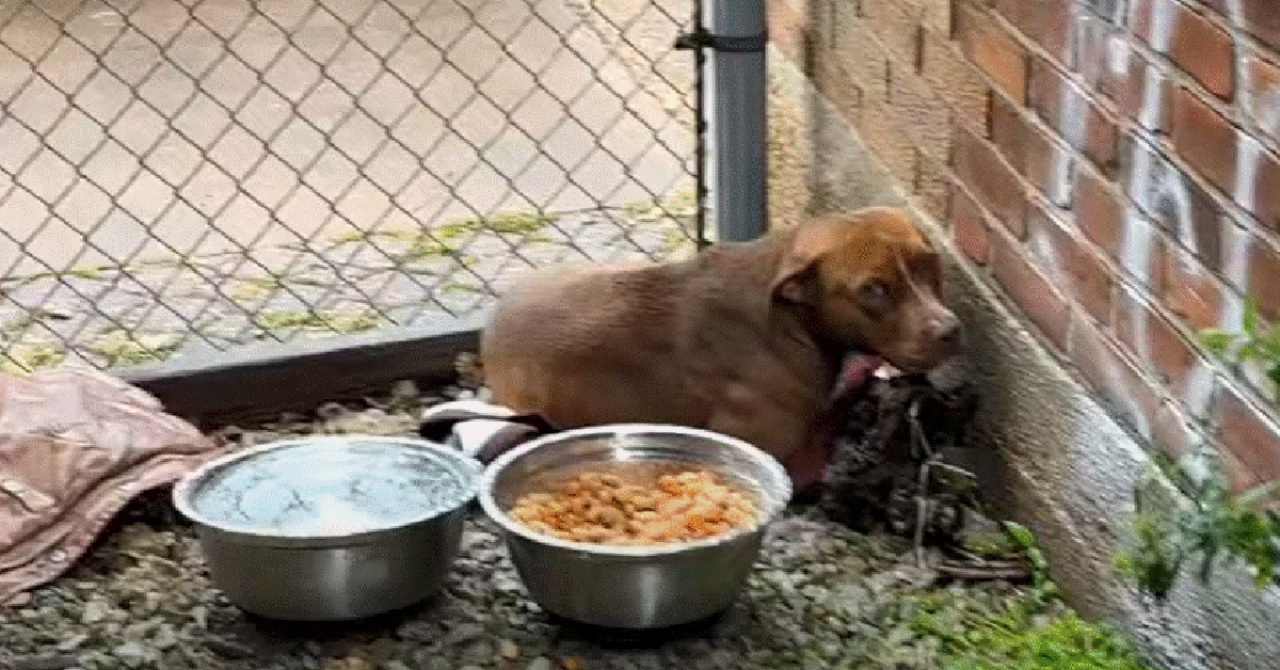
<point>634,526</point>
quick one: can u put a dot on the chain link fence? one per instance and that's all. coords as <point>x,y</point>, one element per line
<point>185,176</point>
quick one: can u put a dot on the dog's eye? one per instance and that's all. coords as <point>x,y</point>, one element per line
<point>874,293</point>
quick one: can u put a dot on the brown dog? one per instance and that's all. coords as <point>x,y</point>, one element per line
<point>745,339</point>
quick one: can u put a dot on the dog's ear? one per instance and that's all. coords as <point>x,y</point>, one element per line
<point>796,279</point>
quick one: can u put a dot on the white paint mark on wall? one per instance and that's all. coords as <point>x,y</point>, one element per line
<point>1158,187</point>
<point>1235,240</point>
<point>1163,19</point>
<point>1163,22</point>
<point>1265,107</point>
<point>1235,267</point>
<point>1198,388</point>
<point>1248,151</point>
<point>1118,55</point>
<point>1040,242</point>
<point>1073,116</point>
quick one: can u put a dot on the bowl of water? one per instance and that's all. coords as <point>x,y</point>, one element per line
<point>330,528</point>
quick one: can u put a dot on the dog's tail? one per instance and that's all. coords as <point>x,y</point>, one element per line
<point>470,369</point>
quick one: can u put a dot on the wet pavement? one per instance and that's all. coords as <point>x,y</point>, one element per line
<point>224,171</point>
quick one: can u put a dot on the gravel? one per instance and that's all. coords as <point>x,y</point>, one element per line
<point>823,596</point>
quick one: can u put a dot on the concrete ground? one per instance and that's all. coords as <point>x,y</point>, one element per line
<point>226,171</point>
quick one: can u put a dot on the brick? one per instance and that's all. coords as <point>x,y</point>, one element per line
<point>920,111</point>
<point>1174,200</point>
<point>1198,45</point>
<point>1177,436</point>
<point>993,50</point>
<point>897,25</point>
<point>1264,276</point>
<point>1154,339</point>
<point>1240,477</point>
<point>1031,151</point>
<point>1118,383</point>
<point>1099,210</point>
<point>1262,20</point>
<point>1071,262</point>
<point>1266,189</point>
<point>956,82</point>
<point>996,185</point>
<point>1094,36</point>
<point>937,15</point>
<point>857,56</point>
<point>1248,433</point>
<point>1142,21</point>
<point>1205,138</point>
<point>969,227</point>
<point>932,188</point>
<point>1069,109</point>
<point>1190,291</point>
<point>1205,51</point>
<point>1029,289</point>
<point>837,84</point>
<point>1142,93</point>
<point>1048,23</point>
<point>1141,259</point>
<point>888,142</point>
<point>1262,80</point>
<point>1173,433</point>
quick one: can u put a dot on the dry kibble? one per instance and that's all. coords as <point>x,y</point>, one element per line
<point>603,508</point>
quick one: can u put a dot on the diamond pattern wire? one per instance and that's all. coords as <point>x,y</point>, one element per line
<point>199,175</point>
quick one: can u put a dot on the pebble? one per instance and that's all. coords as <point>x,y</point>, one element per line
<point>477,652</point>
<point>165,638</point>
<point>133,654</point>
<point>540,663</point>
<point>19,600</point>
<point>229,649</point>
<point>348,663</point>
<point>73,642</point>
<point>417,631</point>
<point>463,632</point>
<point>44,662</point>
<point>405,392</point>
<point>508,650</point>
<point>95,611</point>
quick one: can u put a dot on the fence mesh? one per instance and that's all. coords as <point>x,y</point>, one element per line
<point>184,176</point>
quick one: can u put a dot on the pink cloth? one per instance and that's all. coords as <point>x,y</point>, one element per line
<point>76,445</point>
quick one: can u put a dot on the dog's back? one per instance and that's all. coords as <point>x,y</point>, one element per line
<point>588,346</point>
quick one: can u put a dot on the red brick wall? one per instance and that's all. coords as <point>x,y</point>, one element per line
<point>1113,166</point>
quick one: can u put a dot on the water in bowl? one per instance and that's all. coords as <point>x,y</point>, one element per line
<point>327,489</point>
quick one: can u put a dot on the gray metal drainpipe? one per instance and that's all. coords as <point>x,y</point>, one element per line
<point>736,110</point>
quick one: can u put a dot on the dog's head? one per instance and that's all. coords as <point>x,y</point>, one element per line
<point>872,282</point>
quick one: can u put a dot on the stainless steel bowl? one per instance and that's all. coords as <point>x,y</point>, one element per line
<point>628,586</point>
<point>330,528</point>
